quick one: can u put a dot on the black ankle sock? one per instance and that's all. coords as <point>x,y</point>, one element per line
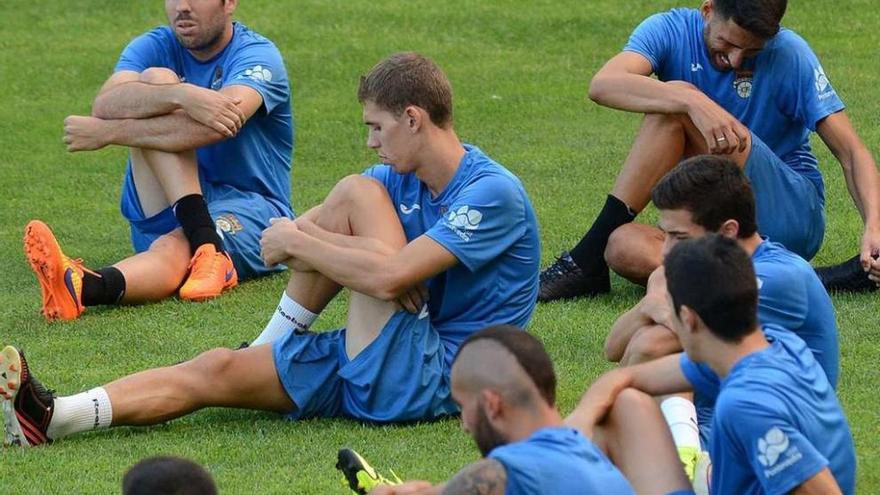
<point>107,287</point>
<point>589,254</point>
<point>192,213</point>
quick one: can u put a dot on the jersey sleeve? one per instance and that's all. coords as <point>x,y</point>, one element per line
<point>753,425</point>
<point>809,95</point>
<point>653,39</point>
<point>260,66</point>
<point>145,51</point>
<point>486,218</point>
<point>782,298</point>
<point>705,382</point>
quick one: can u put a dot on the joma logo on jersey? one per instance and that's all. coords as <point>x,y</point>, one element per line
<point>464,221</point>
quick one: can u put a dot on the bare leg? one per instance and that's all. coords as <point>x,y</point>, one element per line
<point>634,251</point>
<point>217,378</point>
<point>156,273</point>
<point>650,343</point>
<point>638,442</point>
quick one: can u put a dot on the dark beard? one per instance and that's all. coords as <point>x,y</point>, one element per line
<point>201,45</point>
<point>485,436</point>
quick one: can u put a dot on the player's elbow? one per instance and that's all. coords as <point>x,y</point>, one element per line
<point>598,89</point>
<point>613,350</point>
<point>100,108</point>
<point>390,284</point>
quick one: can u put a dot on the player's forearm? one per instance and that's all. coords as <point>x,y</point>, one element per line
<point>639,94</point>
<point>172,133</point>
<point>621,333</point>
<point>863,182</point>
<point>138,100</point>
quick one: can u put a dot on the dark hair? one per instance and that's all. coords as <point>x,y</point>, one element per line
<point>714,276</point>
<point>167,475</point>
<point>405,79</point>
<point>713,189</point>
<point>529,353</point>
<point>759,17</point>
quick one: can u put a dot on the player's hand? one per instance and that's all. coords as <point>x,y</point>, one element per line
<point>408,488</point>
<point>597,402</point>
<point>655,304</point>
<point>414,299</point>
<point>724,134</point>
<point>870,254</point>
<point>85,133</point>
<point>276,239</point>
<point>213,109</point>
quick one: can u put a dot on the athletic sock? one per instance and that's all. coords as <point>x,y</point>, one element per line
<point>681,416</point>
<point>192,213</point>
<point>81,412</point>
<point>106,286</point>
<point>289,315</point>
<point>589,254</point>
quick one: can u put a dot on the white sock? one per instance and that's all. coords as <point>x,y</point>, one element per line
<point>81,412</point>
<point>289,315</point>
<point>681,416</point>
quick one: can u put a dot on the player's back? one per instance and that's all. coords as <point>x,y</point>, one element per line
<point>558,460</point>
<point>778,423</point>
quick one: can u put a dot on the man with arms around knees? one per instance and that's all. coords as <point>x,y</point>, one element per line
<point>204,107</point>
<point>708,194</point>
<point>504,382</point>
<point>439,221</point>
<point>778,427</point>
<point>730,82</point>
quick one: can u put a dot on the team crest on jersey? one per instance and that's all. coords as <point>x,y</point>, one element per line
<point>228,224</point>
<point>743,83</point>
<point>217,80</point>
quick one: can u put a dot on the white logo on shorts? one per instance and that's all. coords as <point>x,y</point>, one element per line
<point>424,313</point>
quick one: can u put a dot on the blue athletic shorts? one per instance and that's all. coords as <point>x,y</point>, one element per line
<point>240,218</point>
<point>790,209</point>
<point>400,377</point>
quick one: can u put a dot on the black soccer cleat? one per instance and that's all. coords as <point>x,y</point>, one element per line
<point>846,277</point>
<point>565,280</point>
<point>27,405</point>
<point>358,475</point>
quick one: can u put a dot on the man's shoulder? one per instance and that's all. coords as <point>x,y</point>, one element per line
<point>247,39</point>
<point>786,47</point>
<point>773,260</point>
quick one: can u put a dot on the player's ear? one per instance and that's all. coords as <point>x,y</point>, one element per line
<point>729,229</point>
<point>229,6</point>
<point>491,403</point>
<point>706,9</point>
<point>689,318</point>
<point>413,118</point>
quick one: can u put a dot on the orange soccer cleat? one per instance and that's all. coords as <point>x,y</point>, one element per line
<point>210,273</point>
<point>60,277</point>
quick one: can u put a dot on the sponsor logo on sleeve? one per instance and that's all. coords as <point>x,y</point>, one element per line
<point>776,453</point>
<point>464,221</point>
<point>258,73</point>
<point>823,85</point>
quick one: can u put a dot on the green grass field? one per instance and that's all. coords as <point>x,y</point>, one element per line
<point>520,72</point>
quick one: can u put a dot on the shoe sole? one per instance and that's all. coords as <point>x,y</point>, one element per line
<point>47,261</point>
<point>350,462</point>
<point>10,373</point>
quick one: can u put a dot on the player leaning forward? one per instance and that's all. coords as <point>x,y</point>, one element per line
<point>204,107</point>
<point>439,220</point>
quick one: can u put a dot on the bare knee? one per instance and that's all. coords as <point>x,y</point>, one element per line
<point>159,75</point>
<point>631,402</point>
<point>634,251</point>
<point>619,248</point>
<point>210,368</point>
<point>174,252</point>
<point>648,344</point>
<point>348,195</point>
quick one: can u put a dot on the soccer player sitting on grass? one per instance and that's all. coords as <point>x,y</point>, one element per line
<point>729,81</point>
<point>204,107</point>
<point>437,213</point>
<point>708,194</point>
<point>504,382</point>
<point>778,427</point>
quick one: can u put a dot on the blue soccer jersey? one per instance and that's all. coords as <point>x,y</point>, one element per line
<point>558,460</point>
<point>485,219</point>
<point>781,94</point>
<point>258,159</point>
<point>777,421</point>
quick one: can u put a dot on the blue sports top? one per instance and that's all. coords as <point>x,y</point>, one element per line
<point>258,158</point>
<point>484,218</point>
<point>781,94</point>
<point>777,421</point>
<point>561,461</point>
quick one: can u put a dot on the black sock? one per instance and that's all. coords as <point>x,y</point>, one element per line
<point>107,287</point>
<point>589,254</point>
<point>192,213</point>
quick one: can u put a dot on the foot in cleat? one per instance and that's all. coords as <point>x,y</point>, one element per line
<point>210,273</point>
<point>848,276</point>
<point>564,279</point>
<point>360,477</point>
<point>60,277</point>
<point>27,405</point>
